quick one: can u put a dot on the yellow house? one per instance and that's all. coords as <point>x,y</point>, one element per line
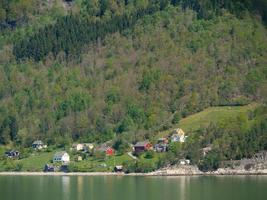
<point>178,135</point>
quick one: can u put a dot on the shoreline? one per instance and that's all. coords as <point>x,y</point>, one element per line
<point>150,174</point>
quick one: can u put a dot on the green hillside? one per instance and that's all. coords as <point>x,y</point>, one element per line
<point>98,70</point>
<point>214,115</point>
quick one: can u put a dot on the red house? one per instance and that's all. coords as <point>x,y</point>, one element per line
<point>142,146</point>
<point>109,151</point>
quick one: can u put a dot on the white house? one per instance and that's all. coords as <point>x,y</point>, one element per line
<point>38,144</point>
<point>61,156</point>
<point>78,147</point>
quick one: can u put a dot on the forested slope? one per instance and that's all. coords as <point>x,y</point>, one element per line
<point>123,68</point>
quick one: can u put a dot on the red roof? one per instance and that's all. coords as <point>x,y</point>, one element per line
<point>109,151</point>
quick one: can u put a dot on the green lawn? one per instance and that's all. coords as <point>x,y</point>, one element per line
<point>95,165</point>
<point>214,114</point>
<point>36,161</point>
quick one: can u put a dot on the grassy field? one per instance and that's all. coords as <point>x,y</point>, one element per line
<point>210,115</point>
<point>36,161</point>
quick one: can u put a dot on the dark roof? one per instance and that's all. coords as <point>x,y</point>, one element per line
<point>141,144</point>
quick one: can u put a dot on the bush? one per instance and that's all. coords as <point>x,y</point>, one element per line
<point>149,154</point>
<point>176,118</point>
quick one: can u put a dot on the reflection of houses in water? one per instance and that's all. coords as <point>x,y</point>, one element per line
<point>66,187</point>
<point>183,187</point>
<point>80,195</point>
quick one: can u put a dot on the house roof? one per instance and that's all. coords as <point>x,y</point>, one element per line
<point>179,131</point>
<point>60,154</point>
<point>37,142</point>
<point>141,144</point>
<point>103,148</point>
<point>118,166</point>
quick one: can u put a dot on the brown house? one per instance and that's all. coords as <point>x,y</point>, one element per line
<point>142,146</point>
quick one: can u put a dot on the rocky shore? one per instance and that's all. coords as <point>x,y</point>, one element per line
<point>193,170</point>
<point>170,171</point>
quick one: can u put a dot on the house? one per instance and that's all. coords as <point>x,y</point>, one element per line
<point>184,162</point>
<point>78,147</point>
<point>142,146</point>
<point>161,147</point>
<point>12,154</point>
<point>108,150</point>
<point>61,156</point>
<point>38,145</point>
<point>178,135</point>
<point>118,168</point>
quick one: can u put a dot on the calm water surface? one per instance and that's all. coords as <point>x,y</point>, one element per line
<point>132,188</point>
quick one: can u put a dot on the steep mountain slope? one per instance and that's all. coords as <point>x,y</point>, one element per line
<point>130,81</point>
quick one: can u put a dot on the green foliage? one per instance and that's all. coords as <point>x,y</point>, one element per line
<point>149,154</point>
<point>210,162</point>
<point>126,68</point>
<point>120,146</point>
<point>149,78</point>
<point>138,167</point>
<point>176,118</point>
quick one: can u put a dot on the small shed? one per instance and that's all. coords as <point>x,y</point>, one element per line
<point>118,168</point>
<point>184,162</point>
<point>49,168</point>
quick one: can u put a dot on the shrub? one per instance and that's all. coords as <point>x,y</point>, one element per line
<point>176,118</point>
<point>149,154</point>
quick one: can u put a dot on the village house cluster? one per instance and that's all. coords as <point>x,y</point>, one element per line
<point>61,159</point>
<point>177,135</point>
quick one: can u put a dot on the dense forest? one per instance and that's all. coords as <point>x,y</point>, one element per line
<point>93,70</point>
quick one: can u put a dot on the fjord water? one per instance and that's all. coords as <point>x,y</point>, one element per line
<point>132,188</point>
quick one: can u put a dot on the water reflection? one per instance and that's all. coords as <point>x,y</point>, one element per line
<point>132,188</point>
<point>66,187</point>
<point>80,193</point>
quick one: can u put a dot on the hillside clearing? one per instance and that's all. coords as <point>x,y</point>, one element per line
<point>217,114</point>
